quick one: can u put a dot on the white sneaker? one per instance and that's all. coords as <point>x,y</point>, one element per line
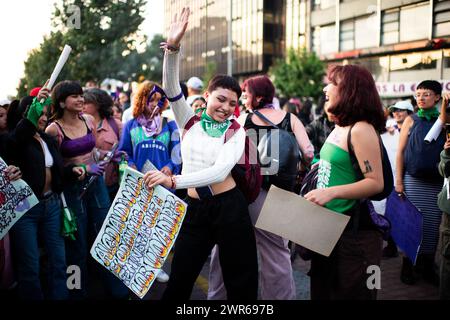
<point>162,276</point>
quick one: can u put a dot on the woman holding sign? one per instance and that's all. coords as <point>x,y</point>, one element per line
<point>76,136</point>
<point>217,210</point>
<point>38,157</point>
<point>353,104</point>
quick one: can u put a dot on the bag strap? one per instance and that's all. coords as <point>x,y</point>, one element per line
<point>114,126</point>
<point>264,118</point>
<point>231,130</point>
<point>193,120</point>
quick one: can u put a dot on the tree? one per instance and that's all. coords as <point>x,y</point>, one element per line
<point>299,75</point>
<point>210,71</point>
<point>105,41</point>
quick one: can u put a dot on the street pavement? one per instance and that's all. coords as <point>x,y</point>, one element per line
<point>391,286</point>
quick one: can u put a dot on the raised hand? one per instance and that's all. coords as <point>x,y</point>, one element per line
<point>44,93</point>
<point>178,27</point>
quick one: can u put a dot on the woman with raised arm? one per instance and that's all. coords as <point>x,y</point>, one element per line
<point>275,272</point>
<point>354,105</point>
<point>217,209</point>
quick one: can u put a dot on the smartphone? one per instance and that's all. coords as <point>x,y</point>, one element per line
<point>447,130</point>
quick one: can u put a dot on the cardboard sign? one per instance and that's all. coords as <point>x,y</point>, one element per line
<point>293,217</point>
<point>139,232</point>
<point>16,198</point>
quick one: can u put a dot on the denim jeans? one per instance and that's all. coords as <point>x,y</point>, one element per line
<point>45,218</point>
<point>90,211</point>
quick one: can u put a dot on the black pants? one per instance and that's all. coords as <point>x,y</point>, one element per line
<point>223,220</point>
<point>343,275</point>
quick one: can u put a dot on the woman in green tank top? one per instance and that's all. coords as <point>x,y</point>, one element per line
<point>352,101</point>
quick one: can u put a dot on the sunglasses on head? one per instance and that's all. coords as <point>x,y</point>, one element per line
<point>157,89</point>
<point>397,110</point>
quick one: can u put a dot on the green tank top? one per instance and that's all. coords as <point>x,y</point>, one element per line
<point>335,169</point>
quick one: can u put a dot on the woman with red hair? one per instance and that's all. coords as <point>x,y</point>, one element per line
<point>353,103</point>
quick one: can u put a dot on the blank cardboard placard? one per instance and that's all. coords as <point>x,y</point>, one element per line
<point>292,217</point>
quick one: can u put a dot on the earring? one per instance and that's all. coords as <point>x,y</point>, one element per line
<point>62,105</point>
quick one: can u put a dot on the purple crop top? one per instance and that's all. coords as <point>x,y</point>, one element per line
<point>76,147</point>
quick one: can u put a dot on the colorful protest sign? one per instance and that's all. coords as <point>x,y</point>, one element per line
<point>139,232</point>
<point>406,221</point>
<point>16,198</point>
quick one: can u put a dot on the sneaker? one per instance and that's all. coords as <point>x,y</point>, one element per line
<point>162,276</point>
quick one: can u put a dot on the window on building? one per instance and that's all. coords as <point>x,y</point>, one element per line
<point>328,39</point>
<point>323,4</point>
<point>441,19</point>
<point>414,22</point>
<point>366,30</point>
<point>390,26</point>
<point>347,35</point>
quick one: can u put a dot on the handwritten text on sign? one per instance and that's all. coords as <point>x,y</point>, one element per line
<point>138,232</point>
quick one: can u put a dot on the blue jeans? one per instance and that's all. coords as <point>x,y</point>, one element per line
<point>90,211</point>
<point>45,218</point>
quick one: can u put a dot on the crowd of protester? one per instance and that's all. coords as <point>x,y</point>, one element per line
<point>66,144</point>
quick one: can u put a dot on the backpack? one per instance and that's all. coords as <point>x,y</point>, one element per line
<point>282,169</point>
<point>422,157</point>
<point>245,173</point>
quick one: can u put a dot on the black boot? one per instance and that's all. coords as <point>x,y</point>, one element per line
<point>407,274</point>
<point>429,274</point>
<point>390,251</point>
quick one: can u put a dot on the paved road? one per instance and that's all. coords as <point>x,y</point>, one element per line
<point>391,286</point>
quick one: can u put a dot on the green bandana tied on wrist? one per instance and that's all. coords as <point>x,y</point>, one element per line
<point>213,128</point>
<point>429,114</point>
<point>35,110</point>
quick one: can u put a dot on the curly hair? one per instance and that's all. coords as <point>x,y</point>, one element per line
<point>358,98</point>
<point>140,99</point>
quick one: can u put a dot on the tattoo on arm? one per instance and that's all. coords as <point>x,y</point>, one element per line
<point>368,167</point>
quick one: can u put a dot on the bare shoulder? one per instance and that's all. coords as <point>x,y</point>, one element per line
<point>52,130</point>
<point>363,132</point>
<point>363,127</point>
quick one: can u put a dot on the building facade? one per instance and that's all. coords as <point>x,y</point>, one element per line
<point>400,41</point>
<point>258,35</point>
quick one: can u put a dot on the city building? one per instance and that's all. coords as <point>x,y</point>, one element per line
<point>257,35</point>
<point>400,41</point>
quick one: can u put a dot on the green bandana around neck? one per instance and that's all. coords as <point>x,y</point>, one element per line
<point>212,127</point>
<point>429,114</point>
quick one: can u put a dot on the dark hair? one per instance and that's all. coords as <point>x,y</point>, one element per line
<point>358,98</point>
<point>16,111</point>
<point>184,89</point>
<point>431,85</point>
<point>101,99</point>
<point>61,91</point>
<point>260,86</point>
<point>290,107</point>
<point>198,98</point>
<point>225,82</point>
